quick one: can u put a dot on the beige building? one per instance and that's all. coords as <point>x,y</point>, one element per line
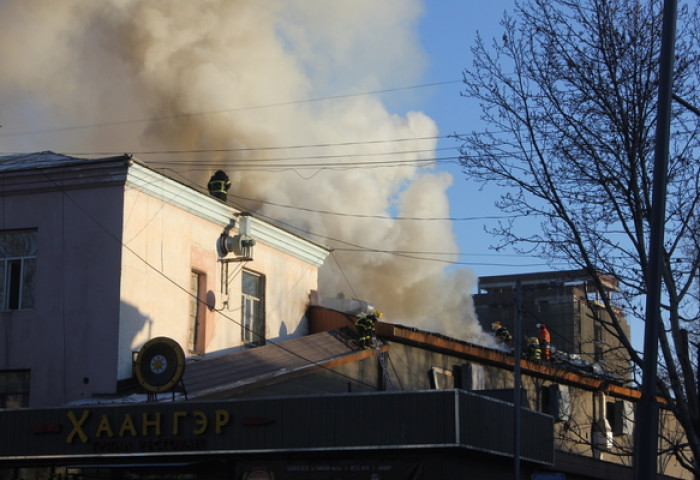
<point>103,255</point>
<point>109,269</point>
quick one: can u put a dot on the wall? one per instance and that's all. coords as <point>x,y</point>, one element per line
<point>162,245</point>
<point>577,428</point>
<point>68,340</point>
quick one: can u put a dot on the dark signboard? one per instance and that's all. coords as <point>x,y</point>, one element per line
<point>337,470</point>
<point>396,420</point>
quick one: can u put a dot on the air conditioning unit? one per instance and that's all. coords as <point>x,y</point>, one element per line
<point>239,245</point>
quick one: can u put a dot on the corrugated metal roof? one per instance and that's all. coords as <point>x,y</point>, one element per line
<point>220,377</point>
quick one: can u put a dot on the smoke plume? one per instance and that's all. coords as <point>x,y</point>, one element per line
<point>222,82</point>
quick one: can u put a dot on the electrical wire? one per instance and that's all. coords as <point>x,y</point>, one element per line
<point>229,110</point>
<point>412,256</point>
<point>186,290</point>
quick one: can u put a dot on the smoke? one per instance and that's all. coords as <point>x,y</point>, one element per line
<point>131,76</point>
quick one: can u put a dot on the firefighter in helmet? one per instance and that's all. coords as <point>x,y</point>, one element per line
<point>501,332</point>
<point>533,352</point>
<point>219,184</point>
<point>365,328</point>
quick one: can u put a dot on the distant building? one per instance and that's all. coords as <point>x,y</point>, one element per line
<point>566,303</point>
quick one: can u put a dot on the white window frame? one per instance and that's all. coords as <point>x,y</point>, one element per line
<point>252,308</point>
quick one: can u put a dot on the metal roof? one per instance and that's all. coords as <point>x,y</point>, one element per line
<point>223,376</point>
<point>46,159</point>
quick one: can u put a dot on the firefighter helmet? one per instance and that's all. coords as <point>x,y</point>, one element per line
<point>496,325</point>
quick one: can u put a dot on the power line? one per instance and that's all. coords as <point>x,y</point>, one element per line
<point>405,254</point>
<point>228,110</point>
<point>380,217</point>
<point>187,292</point>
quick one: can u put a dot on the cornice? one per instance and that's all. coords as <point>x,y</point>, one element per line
<point>208,208</point>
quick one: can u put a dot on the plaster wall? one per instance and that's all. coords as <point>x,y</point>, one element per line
<point>163,244</point>
<point>68,340</point>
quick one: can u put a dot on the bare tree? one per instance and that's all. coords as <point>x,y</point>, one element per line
<point>569,94</point>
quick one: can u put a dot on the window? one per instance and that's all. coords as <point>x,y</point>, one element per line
<point>620,416</point>
<point>441,379</point>
<point>14,389</point>
<point>253,309</point>
<point>17,269</point>
<point>195,335</point>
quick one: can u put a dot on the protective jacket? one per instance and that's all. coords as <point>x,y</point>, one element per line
<point>365,329</point>
<point>545,339</point>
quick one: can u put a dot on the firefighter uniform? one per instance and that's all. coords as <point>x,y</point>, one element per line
<point>501,332</point>
<point>545,339</point>
<point>219,184</point>
<point>365,328</point>
<point>533,352</point>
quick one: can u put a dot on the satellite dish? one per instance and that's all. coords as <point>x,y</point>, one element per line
<point>160,364</point>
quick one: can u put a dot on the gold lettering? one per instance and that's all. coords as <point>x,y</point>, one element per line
<point>201,421</point>
<point>104,427</point>
<point>222,419</point>
<point>150,423</point>
<point>176,421</point>
<point>77,427</point>
<point>127,425</point>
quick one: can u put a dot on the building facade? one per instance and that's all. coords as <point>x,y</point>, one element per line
<point>109,267</point>
<point>101,256</point>
<point>568,305</point>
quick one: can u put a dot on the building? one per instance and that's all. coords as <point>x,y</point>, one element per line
<point>421,406</point>
<point>152,331</point>
<point>100,256</point>
<point>567,303</point>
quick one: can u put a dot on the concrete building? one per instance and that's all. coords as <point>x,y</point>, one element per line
<point>568,305</point>
<point>421,406</point>
<point>100,256</point>
<point>145,335</point>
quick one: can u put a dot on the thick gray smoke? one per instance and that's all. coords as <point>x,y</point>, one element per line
<point>87,76</point>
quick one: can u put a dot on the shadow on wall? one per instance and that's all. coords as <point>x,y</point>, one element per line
<point>301,330</point>
<point>135,330</point>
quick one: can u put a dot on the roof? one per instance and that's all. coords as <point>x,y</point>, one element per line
<point>563,277</point>
<point>557,371</point>
<point>27,173</point>
<point>226,375</point>
<point>46,159</point>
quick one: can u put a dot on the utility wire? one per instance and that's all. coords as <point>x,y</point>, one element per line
<point>380,217</point>
<point>411,255</point>
<point>185,290</point>
<point>228,110</point>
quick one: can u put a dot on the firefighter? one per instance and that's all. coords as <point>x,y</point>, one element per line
<point>501,332</point>
<point>545,339</point>
<point>219,184</point>
<point>365,328</point>
<point>533,352</point>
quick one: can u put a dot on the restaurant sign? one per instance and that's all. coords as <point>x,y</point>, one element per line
<point>124,429</point>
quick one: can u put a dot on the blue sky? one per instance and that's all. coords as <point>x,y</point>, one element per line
<point>448,30</point>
